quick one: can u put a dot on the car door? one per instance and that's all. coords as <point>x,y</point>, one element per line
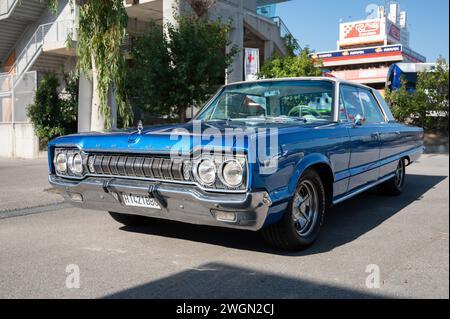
<point>391,138</point>
<point>365,136</point>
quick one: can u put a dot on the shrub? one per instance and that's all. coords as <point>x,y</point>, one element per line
<point>291,66</point>
<point>54,112</point>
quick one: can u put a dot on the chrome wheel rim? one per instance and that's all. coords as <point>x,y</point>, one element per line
<point>400,174</point>
<point>305,208</point>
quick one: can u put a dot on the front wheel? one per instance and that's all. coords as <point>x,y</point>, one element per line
<point>302,222</point>
<point>394,186</point>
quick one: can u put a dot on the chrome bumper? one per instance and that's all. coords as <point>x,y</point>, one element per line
<point>182,203</point>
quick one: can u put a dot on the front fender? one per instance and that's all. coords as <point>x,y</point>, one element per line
<point>305,163</point>
<point>280,197</point>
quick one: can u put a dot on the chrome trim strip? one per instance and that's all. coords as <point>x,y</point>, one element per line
<point>337,92</point>
<point>381,162</point>
<point>363,189</point>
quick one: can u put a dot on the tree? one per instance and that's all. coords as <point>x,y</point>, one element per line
<point>54,113</point>
<point>401,102</point>
<point>180,67</point>
<point>102,30</point>
<point>201,7</point>
<point>431,97</point>
<point>291,65</point>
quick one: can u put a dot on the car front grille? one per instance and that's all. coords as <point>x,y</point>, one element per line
<point>159,168</point>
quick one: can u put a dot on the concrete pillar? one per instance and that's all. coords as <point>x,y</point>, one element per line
<point>269,49</point>
<point>237,39</point>
<point>84,104</point>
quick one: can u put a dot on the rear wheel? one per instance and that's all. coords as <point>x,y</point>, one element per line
<point>130,220</point>
<point>304,217</point>
<point>394,186</point>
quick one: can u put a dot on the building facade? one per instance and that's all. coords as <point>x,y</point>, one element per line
<point>34,41</point>
<point>367,48</point>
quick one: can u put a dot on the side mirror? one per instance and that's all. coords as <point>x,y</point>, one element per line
<point>359,120</point>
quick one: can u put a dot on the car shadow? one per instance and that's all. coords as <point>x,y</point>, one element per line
<point>222,281</point>
<point>345,222</point>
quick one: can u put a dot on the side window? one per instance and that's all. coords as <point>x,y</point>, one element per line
<point>352,101</point>
<point>372,111</point>
<point>342,112</point>
<point>385,107</point>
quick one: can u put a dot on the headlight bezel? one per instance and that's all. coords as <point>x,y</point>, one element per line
<point>60,154</point>
<point>71,155</point>
<point>220,183</point>
<point>197,174</point>
<point>223,178</point>
<point>75,163</point>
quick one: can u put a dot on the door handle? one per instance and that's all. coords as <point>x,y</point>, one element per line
<point>398,133</point>
<point>375,136</point>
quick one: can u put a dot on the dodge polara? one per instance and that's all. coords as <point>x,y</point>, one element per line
<point>269,156</point>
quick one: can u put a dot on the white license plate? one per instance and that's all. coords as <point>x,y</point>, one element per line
<point>140,201</point>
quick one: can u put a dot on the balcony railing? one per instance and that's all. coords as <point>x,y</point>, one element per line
<point>6,7</point>
<point>15,96</point>
<point>6,84</point>
<point>57,31</point>
<point>285,32</point>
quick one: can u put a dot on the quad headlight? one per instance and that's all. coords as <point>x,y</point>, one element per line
<point>75,162</point>
<point>61,163</point>
<point>223,172</point>
<point>207,172</point>
<point>69,162</point>
<point>232,173</point>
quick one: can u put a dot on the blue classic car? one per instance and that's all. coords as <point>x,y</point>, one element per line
<point>270,155</point>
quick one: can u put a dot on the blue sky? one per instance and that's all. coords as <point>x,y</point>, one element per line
<point>316,22</point>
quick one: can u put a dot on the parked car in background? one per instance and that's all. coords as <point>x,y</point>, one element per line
<point>335,139</point>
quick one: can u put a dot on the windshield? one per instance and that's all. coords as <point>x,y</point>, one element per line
<point>308,100</point>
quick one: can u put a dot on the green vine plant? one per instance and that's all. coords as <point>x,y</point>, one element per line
<point>52,5</point>
<point>101,32</point>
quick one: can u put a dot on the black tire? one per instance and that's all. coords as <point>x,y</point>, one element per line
<point>130,220</point>
<point>286,234</point>
<point>395,185</point>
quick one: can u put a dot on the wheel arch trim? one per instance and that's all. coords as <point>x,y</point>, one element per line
<point>306,163</point>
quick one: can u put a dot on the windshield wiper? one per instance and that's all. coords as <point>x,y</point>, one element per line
<point>296,118</point>
<point>264,118</point>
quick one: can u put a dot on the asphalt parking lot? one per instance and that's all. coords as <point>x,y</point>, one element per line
<point>406,237</point>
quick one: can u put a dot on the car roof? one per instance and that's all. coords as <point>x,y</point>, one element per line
<point>305,78</point>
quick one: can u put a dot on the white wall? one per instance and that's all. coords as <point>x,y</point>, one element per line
<point>18,140</point>
<point>6,140</point>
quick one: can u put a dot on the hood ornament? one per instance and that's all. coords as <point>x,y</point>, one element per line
<point>140,127</point>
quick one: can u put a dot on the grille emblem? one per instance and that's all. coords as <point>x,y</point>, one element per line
<point>140,127</point>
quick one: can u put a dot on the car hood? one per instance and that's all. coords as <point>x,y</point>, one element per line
<point>180,137</point>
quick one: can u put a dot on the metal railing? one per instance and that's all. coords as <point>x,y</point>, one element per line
<point>57,31</point>
<point>6,84</point>
<point>15,96</point>
<point>6,7</point>
<point>285,32</point>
